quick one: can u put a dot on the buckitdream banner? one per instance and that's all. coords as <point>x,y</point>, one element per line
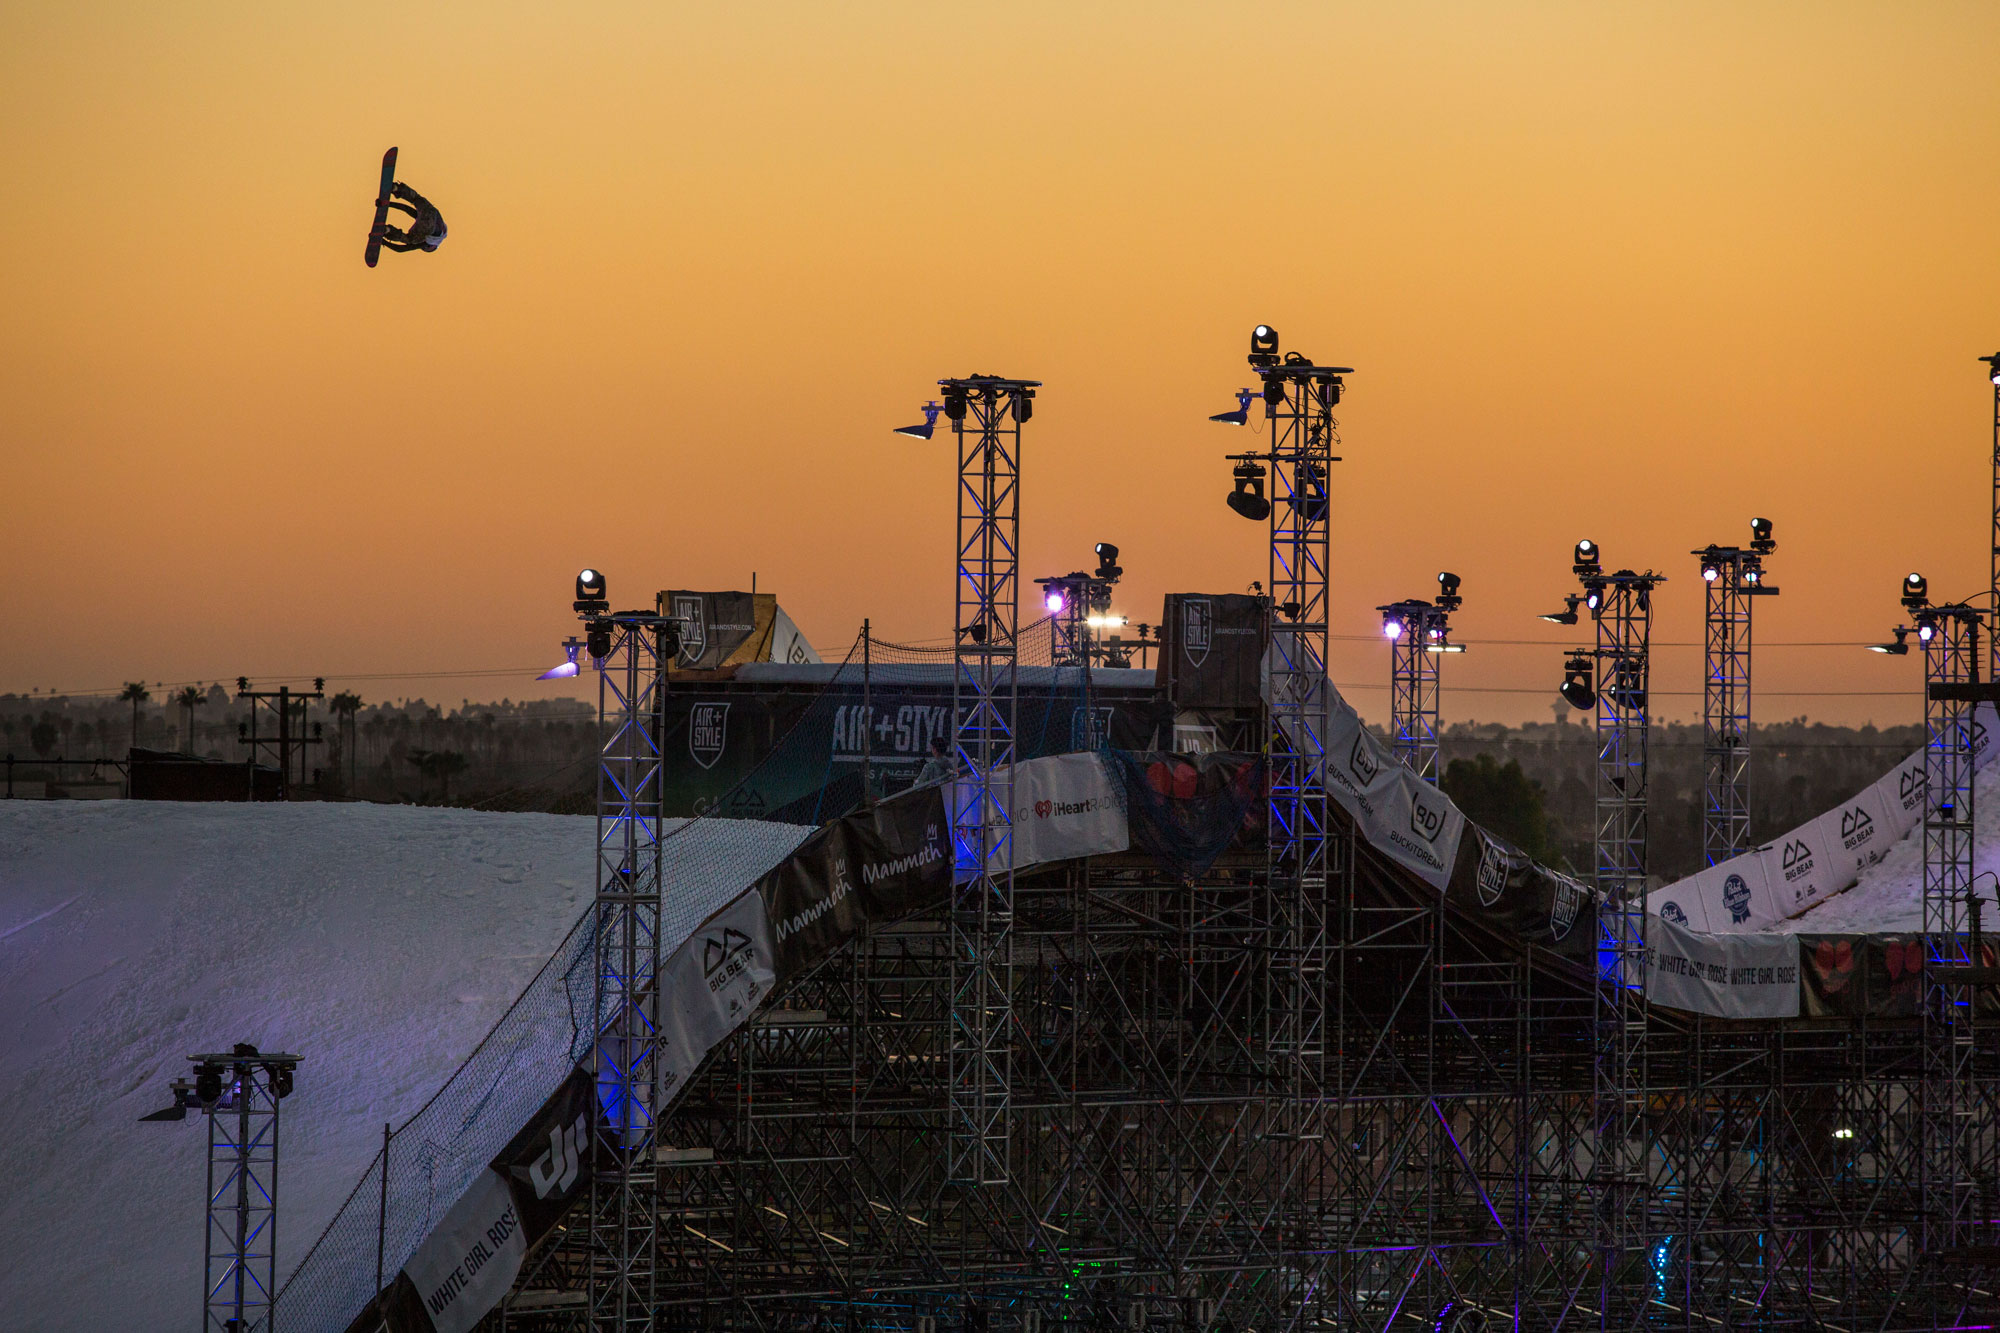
<point>1727,976</point>
<point>468,1263</point>
<point>880,863</point>
<point>1404,817</point>
<point>1822,857</point>
<point>1211,644</point>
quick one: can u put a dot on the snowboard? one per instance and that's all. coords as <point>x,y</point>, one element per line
<point>381,207</point>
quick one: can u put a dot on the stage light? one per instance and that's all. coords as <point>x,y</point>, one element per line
<point>1761,540</point>
<point>1753,576</point>
<point>1263,346</point>
<point>954,403</point>
<point>923,432</point>
<point>1843,1133</point>
<point>1309,493</point>
<point>281,1080</point>
<point>1709,573</point>
<point>208,1084</point>
<point>1899,647</point>
<point>1993,368</point>
<point>1241,416</point>
<point>1444,647</point>
<point>591,592</point>
<point>1593,596</point>
<point>1108,567</point>
<point>1274,391</point>
<point>1448,584</point>
<point>1587,557</point>
<point>568,668</point>
<point>1106,622</point>
<point>1916,591</point>
<point>1566,616</point>
<point>1023,402</point>
<point>1926,631</point>
<point>1576,688</point>
<point>1248,498</point>
<point>1055,601</point>
<point>976,631</point>
<point>597,639</point>
<point>1392,628</point>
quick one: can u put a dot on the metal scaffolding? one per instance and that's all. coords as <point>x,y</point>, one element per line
<point>986,414</point>
<point>631,651</point>
<point>1992,364</point>
<point>1732,578</point>
<point>1419,635</point>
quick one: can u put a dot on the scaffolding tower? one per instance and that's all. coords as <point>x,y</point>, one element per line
<point>239,1093</point>
<point>1419,635</point>
<point>986,414</point>
<point>631,651</point>
<point>1992,364</point>
<point>1732,578</point>
<point>1957,1159</point>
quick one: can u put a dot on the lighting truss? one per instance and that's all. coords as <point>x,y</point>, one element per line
<point>624,1221</point>
<point>1732,578</point>
<point>239,1252</point>
<point>986,414</point>
<point>1414,655</point>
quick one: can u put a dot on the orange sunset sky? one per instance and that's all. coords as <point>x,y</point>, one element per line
<point>1628,271</point>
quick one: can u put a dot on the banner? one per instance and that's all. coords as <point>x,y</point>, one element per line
<point>1728,976</point>
<point>1401,815</point>
<point>716,625</point>
<point>1730,897</point>
<point>710,985</point>
<point>881,863</point>
<point>1065,806</point>
<point>1854,837</point>
<point>1502,886</point>
<point>1210,648</point>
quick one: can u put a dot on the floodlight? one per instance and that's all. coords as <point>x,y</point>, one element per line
<point>1444,647</point>
<point>1761,540</point>
<point>1843,1133</point>
<point>1926,630</point>
<point>1899,647</point>
<point>1248,498</point>
<point>1587,556</point>
<point>568,668</point>
<point>1566,616</point>
<point>1108,567</point>
<point>1916,590</point>
<point>1106,622</point>
<point>1753,575</point>
<point>1993,368</point>
<point>1392,627</point>
<point>1055,601</point>
<point>1577,689</point>
<point>591,594</point>
<point>923,432</point>
<point>1593,596</point>
<point>1241,416</point>
<point>1264,346</point>
<point>954,403</point>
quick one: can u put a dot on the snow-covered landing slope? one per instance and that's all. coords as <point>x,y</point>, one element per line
<point>379,942</point>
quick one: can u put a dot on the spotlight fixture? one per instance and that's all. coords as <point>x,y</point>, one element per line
<point>1577,689</point>
<point>1993,368</point>
<point>1566,616</point>
<point>1392,627</point>
<point>1926,630</point>
<point>1241,416</point>
<point>1055,601</point>
<point>1023,403</point>
<point>1274,391</point>
<point>1587,557</point>
<point>590,592</point>
<point>1309,493</point>
<point>1448,597</point>
<point>1761,540</point>
<point>1897,649</point>
<point>597,639</point>
<point>1711,563</point>
<point>1916,591</point>
<point>1264,347</point>
<point>954,403</point>
<point>923,432</point>
<point>568,668</point>
<point>976,631</point>
<point>1248,497</point>
<point>1593,596</point>
<point>1108,567</point>
<point>1753,576</point>
<point>1843,1133</point>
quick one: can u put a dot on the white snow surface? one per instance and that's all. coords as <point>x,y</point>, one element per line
<point>378,942</point>
<point>1889,897</point>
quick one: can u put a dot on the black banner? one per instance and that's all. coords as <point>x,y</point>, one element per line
<point>1211,651</point>
<point>1494,882</point>
<point>714,625</point>
<point>879,863</point>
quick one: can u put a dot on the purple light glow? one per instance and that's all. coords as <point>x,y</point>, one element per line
<point>1392,629</point>
<point>563,672</point>
<point>1055,601</point>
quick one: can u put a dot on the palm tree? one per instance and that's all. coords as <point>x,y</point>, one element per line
<point>136,693</point>
<point>344,706</point>
<point>190,698</point>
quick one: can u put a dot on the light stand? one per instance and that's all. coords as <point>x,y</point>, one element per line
<point>1732,577</point>
<point>238,1094</point>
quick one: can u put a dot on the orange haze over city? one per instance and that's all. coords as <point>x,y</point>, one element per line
<point>1632,272</point>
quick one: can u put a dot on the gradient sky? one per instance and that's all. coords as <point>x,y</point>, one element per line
<point>1634,272</point>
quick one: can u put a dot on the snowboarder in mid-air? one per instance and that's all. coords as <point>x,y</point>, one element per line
<point>426,230</point>
<point>426,226</point>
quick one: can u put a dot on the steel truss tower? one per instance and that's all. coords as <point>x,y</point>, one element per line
<point>1992,364</point>
<point>986,413</point>
<point>631,651</point>
<point>1958,1161</point>
<point>1732,576</point>
<point>239,1094</point>
<point>1419,635</point>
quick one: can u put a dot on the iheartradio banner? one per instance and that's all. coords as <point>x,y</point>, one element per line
<point>1814,861</point>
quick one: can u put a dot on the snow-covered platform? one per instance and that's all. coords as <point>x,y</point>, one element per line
<point>378,942</point>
